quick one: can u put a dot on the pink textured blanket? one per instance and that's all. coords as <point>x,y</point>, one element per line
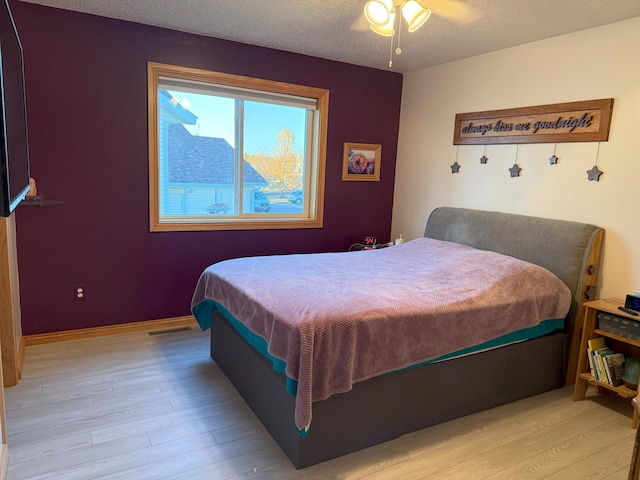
<point>341,318</point>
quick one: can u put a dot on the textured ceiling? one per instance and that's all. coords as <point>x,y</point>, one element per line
<point>334,29</point>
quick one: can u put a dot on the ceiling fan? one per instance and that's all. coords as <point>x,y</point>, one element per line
<point>384,16</point>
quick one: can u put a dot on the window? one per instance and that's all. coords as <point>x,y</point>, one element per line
<point>228,152</point>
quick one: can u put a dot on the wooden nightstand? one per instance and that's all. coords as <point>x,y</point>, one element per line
<point>618,343</point>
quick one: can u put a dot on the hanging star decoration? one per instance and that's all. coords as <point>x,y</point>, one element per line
<point>594,173</point>
<point>455,168</point>
<point>483,159</point>
<point>553,160</point>
<point>515,170</point>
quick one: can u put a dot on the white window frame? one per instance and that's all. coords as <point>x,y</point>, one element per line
<point>312,217</point>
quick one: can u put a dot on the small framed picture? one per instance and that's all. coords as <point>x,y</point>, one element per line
<point>361,162</point>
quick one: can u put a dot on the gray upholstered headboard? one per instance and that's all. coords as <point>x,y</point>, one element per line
<point>570,250</point>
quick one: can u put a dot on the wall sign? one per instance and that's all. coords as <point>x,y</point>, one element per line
<point>586,121</point>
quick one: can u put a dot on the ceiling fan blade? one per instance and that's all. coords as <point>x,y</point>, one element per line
<point>454,10</point>
<point>360,24</point>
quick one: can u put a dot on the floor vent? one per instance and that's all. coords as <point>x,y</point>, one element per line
<point>168,330</point>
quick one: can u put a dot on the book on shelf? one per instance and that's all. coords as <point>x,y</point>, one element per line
<point>606,365</point>
<point>596,343</point>
<point>616,366</point>
<point>607,370</point>
<point>593,345</point>
<point>600,354</point>
<point>592,365</point>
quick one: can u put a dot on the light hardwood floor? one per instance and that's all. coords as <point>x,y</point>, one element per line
<point>139,406</point>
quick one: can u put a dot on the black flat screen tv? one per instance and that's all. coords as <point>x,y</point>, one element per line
<point>14,151</point>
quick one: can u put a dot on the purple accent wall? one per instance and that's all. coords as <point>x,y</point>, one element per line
<point>86,86</point>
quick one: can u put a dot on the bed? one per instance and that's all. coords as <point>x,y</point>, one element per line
<point>323,390</point>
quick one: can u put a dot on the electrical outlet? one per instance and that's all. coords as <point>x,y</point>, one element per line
<point>79,293</point>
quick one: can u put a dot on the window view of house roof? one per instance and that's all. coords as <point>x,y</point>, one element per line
<point>194,159</point>
<point>172,111</point>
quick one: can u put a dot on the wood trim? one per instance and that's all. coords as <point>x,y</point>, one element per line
<point>4,461</point>
<point>239,224</point>
<point>4,453</point>
<point>314,218</point>
<point>634,468</point>
<point>10,324</point>
<point>589,279</point>
<point>586,121</point>
<point>3,419</point>
<point>152,119</point>
<point>20,356</point>
<point>146,326</point>
<point>377,154</point>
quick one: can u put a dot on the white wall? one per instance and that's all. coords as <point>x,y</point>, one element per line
<point>592,64</point>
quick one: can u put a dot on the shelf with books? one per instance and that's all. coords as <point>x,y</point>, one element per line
<point>605,364</point>
<point>621,390</point>
<point>597,345</point>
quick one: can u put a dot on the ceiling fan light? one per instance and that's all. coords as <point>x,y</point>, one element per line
<point>385,30</point>
<point>415,15</point>
<point>377,12</point>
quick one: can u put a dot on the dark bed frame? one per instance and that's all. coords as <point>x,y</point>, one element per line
<point>388,406</point>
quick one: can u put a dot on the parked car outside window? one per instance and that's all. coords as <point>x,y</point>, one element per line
<point>296,197</point>
<point>260,202</point>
